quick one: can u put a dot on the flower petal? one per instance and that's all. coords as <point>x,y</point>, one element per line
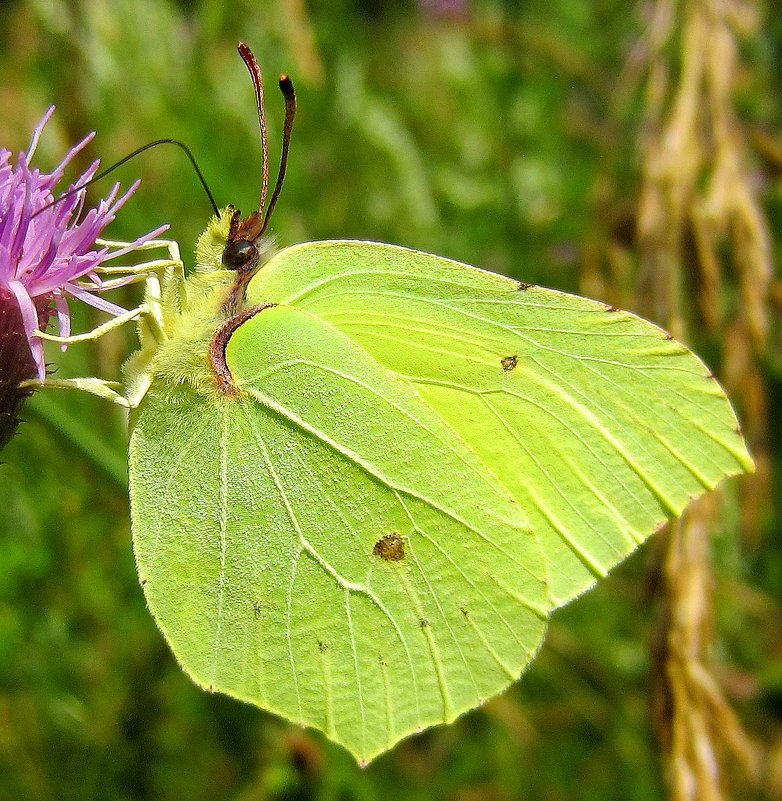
<point>63,317</point>
<point>38,130</point>
<point>30,322</point>
<point>94,300</point>
<point>46,246</point>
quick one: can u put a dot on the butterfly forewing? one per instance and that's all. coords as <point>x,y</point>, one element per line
<point>599,424</point>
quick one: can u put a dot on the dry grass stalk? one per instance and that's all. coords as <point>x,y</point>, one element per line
<point>698,213</point>
<point>698,728</point>
<point>698,193</point>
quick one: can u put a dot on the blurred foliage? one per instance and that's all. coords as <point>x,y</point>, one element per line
<point>503,134</point>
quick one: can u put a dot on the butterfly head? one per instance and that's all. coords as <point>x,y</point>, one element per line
<point>242,251</point>
<point>246,244</point>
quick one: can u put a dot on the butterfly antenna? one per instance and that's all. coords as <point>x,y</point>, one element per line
<point>255,74</point>
<point>136,152</point>
<point>288,92</point>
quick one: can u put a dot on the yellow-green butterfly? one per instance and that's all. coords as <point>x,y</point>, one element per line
<point>362,477</point>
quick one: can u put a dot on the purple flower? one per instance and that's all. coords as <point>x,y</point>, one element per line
<point>47,253</point>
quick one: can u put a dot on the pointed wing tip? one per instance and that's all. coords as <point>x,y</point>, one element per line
<point>744,463</point>
<point>747,463</point>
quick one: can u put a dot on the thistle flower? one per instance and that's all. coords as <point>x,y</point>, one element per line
<point>47,254</point>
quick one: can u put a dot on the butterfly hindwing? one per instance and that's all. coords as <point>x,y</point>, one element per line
<point>321,543</point>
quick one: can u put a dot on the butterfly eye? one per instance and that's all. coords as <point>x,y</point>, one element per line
<point>239,253</point>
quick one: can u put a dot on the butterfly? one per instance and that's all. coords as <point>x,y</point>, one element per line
<point>363,477</point>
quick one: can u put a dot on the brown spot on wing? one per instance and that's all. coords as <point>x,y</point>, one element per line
<point>509,363</point>
<point>390,548</point>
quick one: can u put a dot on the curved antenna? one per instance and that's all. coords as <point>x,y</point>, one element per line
<point>288,92</point>
<point>136,152</point>
<point>255,74</point>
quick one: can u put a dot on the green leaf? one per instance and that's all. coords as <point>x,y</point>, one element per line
<point>418,461</point>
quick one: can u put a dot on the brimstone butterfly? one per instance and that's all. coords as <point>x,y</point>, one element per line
<point>362,477</point>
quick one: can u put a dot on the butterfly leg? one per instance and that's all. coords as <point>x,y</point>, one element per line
<point>165,294</point>
<point>108,390</point>
<point>164,297</point>
<point>164,279</point>
<point>98,331</point>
